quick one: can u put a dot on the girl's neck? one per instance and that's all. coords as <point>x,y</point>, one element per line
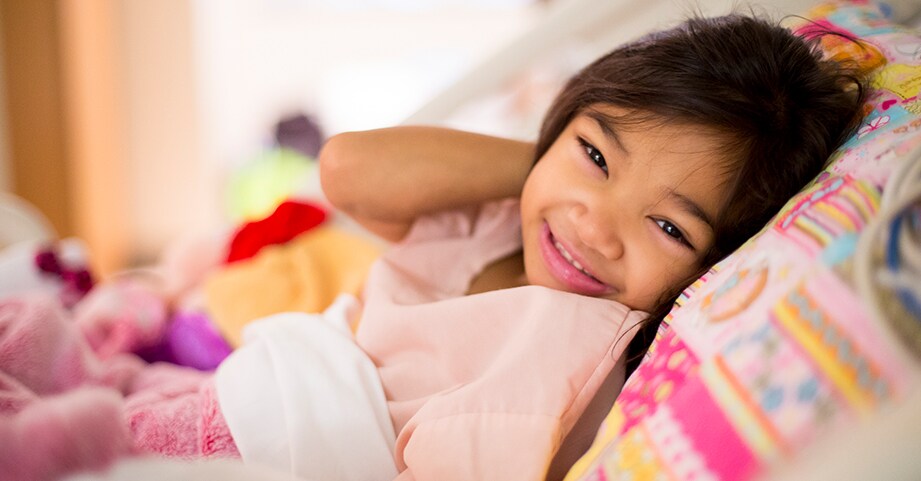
<point>503,273</point>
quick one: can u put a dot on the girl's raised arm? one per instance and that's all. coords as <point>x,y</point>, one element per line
<point>386,178</point>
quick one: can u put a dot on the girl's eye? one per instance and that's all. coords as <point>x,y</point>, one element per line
<point>672,231</point>
<point>594,155</point>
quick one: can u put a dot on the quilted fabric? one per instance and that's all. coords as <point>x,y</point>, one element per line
<point>773,347</point>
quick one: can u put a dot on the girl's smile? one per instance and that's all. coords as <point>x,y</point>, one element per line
<point>566,268</point>
<point>622,213</point>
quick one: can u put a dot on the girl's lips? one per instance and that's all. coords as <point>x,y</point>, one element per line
<point>574,279</point>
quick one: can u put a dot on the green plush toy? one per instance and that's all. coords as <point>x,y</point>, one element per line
<point>273,176</point>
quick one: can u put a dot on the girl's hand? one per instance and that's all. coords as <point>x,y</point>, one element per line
<point>386,178</point>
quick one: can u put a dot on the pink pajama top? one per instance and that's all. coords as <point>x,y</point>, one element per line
<point>485,386</point>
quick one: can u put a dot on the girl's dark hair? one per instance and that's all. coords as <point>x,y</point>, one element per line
<point>781,108</point>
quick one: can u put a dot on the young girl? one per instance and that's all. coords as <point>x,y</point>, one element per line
<point>496,333</point>
<point>653,163</point>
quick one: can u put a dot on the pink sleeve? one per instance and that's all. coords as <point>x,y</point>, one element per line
<point>510,447</point>
<point>464,222</point>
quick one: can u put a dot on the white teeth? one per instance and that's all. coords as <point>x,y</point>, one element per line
<point>566,255</point>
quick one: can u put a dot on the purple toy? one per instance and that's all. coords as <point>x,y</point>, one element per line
<point>190,340</point>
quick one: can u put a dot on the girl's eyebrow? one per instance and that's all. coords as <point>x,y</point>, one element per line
<point>604,123</point>
<point>691,207</point>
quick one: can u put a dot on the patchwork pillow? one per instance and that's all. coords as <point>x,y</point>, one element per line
<point>774,347</point>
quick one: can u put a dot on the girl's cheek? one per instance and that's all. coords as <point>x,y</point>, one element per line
<point>667,263</point>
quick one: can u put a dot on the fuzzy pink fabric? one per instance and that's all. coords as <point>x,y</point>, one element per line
<point>63,409</point>
<point>57,435</point>
<point>122,316</point>
<point>174,411</point>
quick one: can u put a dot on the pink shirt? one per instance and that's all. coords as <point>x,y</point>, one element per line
<point>484,386</point>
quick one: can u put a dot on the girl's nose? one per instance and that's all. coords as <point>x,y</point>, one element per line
<point>598,231</point>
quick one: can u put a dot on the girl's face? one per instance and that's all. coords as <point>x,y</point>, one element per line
<point>621,213</point>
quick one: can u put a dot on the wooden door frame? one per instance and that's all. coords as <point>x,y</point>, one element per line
<point>65,128</point>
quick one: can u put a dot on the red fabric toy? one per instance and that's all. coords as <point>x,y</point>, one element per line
<point>289,220</point>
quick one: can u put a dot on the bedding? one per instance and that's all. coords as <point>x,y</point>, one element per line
<point>774,348</point>
<point>301,396</point>
<point>63,409</point>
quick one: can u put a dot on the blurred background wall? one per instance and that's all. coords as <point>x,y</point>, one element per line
<point>123,120</point>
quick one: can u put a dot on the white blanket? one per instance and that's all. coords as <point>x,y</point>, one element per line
<point>301,397</point>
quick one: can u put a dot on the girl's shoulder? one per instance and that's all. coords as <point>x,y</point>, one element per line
<point>443,252</point>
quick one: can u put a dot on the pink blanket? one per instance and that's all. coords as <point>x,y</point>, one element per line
<point>64,408</point>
